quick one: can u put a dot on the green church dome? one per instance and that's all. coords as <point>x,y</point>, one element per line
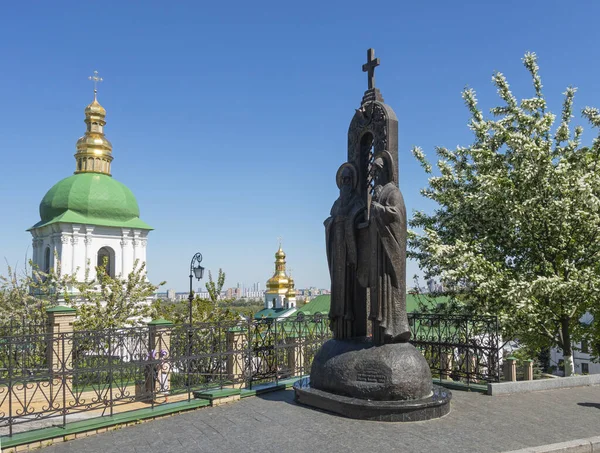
<point>92,199</point>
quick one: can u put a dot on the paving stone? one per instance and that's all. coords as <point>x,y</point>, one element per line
<point>273,422</point>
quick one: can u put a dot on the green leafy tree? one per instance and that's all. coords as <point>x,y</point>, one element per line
<point>16,300</point>
<point>112,302</point>
<point>203,310</point>
<point>25,297</point>
<point>516,229</point>
<point>592,336</point>
<point>214,288</point>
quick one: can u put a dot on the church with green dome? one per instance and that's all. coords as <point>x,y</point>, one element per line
<point>90,216</point>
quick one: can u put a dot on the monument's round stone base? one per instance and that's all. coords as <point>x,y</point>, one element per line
<point>356,379</point>
<point>435,406</point>
<point>358,369</point>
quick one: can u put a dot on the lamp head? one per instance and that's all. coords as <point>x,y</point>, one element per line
<point>198,272</point>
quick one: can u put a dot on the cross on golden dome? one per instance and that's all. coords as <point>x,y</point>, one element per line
<point>96,80</point>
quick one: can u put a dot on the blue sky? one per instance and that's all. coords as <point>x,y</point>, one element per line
<point>228,120</point>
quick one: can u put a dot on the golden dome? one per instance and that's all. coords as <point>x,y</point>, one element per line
<point>292,289</point>
<point>279,282</point>
<point>94,151</point>
<point>95,108</point>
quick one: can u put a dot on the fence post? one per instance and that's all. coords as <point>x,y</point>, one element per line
<point>60,321</point>
<point>59,353</point>
<point>446,362</point>
<point>528,370</point>
<point>295,349</point>
<point>510,369</point>
<point>159,340</point>
<point>236,344</point>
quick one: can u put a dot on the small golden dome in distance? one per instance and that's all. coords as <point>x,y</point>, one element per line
<point>280,253</point>
<point>95,108</point>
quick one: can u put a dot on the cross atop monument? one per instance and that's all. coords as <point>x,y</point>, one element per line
<point>370,66</point>
<point>95,79</point>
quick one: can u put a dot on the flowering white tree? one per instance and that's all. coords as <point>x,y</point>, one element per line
<point>517,228</point>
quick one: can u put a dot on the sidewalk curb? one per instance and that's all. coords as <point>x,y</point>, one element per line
<point>588,445</point>
<point>504,388</point>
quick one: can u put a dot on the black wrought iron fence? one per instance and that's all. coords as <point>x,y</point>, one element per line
<point>464,348</point>
<point>23,325</point>
<point>45,376</point>
<point>23,345</point>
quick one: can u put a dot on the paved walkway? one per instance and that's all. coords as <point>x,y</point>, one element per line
<point>34,423</point>
<point>274,423</point>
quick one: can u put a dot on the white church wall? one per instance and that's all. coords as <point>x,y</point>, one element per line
<point>77,246</point>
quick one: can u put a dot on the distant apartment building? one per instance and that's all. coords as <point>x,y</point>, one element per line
<point>434,286</point>
<point>259,295</point>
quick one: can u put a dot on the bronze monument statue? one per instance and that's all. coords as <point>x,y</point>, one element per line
<point>345,235</point>
<point>387,234</point>
<point>380,376</point>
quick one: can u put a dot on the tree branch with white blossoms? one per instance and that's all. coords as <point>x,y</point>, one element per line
<point>515,230</point>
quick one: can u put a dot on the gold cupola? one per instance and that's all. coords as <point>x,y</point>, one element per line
<point>292,287</point>
<point>94,151</point>
<point>279,283</point>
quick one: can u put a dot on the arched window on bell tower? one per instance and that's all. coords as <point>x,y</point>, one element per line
<point>107,255</point>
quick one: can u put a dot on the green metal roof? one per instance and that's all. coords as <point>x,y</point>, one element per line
<point>93,199</point>
<point>61,309</point>
<point>319,304</point>
<point>271,313</point>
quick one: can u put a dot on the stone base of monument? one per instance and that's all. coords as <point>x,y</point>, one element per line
<point>356,379</point>
<point>435,406</point>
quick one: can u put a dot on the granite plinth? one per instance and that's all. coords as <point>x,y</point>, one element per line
<point>357,368</point>
<point>435,406</point>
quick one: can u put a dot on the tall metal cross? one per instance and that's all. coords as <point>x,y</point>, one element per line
<point>370,66</point>
<point>95,79</point>
<point>280,240</point>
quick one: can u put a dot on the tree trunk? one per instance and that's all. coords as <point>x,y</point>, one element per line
<point>566,346</point>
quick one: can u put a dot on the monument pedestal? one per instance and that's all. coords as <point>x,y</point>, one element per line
<point>435,406</point>
<point>356,379</point>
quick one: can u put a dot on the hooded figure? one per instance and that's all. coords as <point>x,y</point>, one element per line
<point>387,267</point>
<point>347,312</point>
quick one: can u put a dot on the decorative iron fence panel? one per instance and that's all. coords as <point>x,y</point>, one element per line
<point>460,347</point>
<point>27,342</point>
<point>24,325</point>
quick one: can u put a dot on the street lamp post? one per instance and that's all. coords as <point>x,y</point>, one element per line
<point>195,271</point>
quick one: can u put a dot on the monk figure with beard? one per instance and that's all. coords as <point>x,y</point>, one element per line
<point>387,265</point>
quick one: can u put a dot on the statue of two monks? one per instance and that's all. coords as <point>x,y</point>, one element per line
<point>366,253</point>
